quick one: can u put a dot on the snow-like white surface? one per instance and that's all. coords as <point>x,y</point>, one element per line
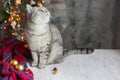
<point>101,65</point>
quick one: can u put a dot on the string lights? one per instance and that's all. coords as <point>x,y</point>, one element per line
<point>17,15</point>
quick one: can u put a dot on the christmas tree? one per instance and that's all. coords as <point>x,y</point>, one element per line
<point>13,17</point>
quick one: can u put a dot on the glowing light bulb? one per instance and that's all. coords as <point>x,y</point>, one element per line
<point>18,2</point>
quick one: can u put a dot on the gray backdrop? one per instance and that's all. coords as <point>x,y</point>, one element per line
<point>87,23</point>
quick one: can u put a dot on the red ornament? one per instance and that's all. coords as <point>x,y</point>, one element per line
<point>15,11</point>
<point>55,70</point>
<point>4,27</point>
<point>24,14</point>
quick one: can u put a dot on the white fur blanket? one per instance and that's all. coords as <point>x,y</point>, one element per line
<point>101,65</point>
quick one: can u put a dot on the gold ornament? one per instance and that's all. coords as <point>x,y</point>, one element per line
<point>17,2</point>
<point>18,25</point>
<point>14,62</point>
<point>55,72</point>
<point>22,38</point>
<point>43,2</point>
<point>17,15</point>
<point>13,33</point>
<point>18,19</point>
<point>39,4</point>
<point>10,19</point>
<point>19,67</point>
<point>5,21</point>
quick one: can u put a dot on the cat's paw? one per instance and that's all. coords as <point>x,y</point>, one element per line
<point>34,64</point>
<point>41,66</point>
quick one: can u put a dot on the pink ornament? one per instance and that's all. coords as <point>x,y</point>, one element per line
<point>13,24</point>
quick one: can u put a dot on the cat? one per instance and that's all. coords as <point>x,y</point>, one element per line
<point>43,46</point>
<point>44,39</point>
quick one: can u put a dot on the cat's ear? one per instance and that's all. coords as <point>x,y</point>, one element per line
<point>29,8</point>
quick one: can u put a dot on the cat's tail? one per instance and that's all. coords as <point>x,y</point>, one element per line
<point>78,51</point>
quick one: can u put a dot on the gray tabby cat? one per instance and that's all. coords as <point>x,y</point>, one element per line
<point>44,39</point>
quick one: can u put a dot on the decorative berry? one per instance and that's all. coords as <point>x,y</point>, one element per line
<point>55,70</point>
